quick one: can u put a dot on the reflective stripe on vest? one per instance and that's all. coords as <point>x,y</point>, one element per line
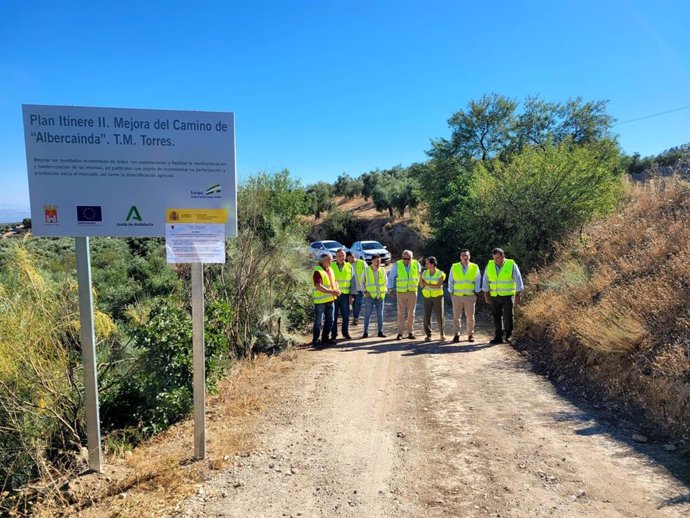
<point>501,284</point>
<point>319,296</point>
<point>464,283</point>
<point>432,279</point>
<point>376,288</point>
<point>344,276</point>
<point>404,282</point>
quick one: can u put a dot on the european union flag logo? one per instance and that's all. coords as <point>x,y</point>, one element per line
<point>89,213</point>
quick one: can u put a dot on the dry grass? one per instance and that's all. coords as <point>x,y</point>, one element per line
<point>617,299</point>
<point>156,476</point>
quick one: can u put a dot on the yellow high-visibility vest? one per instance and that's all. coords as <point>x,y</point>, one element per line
<point>501,284</point>
<point>463,283</point>
<point>343,276</point>
<point>319,296</point>
<point>405,282</point>
<point>433,279</point>
<point>375,287</point>
<point>360,265</point>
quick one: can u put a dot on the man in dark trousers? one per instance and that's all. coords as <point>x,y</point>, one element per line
<point>502,287</point>
<point>326,291</point>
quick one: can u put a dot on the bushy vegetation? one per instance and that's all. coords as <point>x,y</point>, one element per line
<point>613,306</point>
<point>520,176</point>
<point>41,422</point>
<point>348,187</point>
<point>537,197</point>
<point>258,301</point>
<point>320,198</point>
<point>341,226</point>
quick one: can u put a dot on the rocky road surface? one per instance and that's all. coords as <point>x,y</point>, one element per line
<point>386,428</point>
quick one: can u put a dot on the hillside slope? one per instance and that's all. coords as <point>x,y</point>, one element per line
<point>357,219</point>
<point>612,312</point>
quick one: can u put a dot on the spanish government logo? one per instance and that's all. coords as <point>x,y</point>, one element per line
<point>50,214</point>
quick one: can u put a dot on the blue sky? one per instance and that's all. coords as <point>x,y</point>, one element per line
<point>325,87</point>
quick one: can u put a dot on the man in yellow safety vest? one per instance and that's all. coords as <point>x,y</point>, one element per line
<point>326,290</point>
<point>502,287</point>
<point>432,291</point>
<point>403,282</point>
<point>464,283</point>
<point>374,295</point>
<point>357,293</point>
<point>345,276</point>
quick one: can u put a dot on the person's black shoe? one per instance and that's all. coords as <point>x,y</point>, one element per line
<point>507,339</point>
<point>316,344</point>
<point>399,337</point>
<point>381,335</point>
<point>365,335</point>
<point>497,340</point>
<point>456,339</point>
<point>411,336</point>
<point>355,322</point>
<point>329,342</point>
<point>470,338</point>
<point>427,338</point>
<point>347,337</point>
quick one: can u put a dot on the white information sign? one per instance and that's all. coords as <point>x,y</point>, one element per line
<point>195,236</point>
<point>195,243</point>
<point>114,172</point>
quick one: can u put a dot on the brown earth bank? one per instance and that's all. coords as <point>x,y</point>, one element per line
<point>398,233</point>
<point>610,314</point>
<point>380,427</point>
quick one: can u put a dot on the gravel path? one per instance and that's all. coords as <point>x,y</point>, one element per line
<point>385,428</point>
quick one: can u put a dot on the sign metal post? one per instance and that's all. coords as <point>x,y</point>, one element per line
<point>199,361</point>
<point>88,348</point>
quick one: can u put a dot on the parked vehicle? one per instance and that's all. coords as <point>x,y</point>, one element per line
<point>366,249</point>
<point>319,247</point>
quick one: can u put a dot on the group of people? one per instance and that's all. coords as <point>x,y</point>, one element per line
<point>347,282</point>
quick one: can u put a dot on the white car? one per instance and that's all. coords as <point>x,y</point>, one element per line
<point>367,249</point>
<point>319,247</point>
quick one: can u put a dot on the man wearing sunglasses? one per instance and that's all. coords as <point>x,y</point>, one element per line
<point>403,281</point>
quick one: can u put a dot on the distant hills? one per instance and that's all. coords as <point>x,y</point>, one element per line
<point>675,160</point>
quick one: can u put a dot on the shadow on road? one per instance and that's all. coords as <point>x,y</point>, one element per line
<point>414,347</point>
<point>594,417</point>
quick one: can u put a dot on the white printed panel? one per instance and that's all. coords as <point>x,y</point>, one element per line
<point>114,172</point>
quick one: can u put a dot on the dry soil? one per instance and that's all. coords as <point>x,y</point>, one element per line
<point>386,428</point>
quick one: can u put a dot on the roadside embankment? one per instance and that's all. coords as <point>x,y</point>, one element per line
<point>357,220</point>
<point>611,314</point>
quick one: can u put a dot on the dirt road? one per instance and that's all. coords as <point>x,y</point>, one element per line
<point>386,428</point>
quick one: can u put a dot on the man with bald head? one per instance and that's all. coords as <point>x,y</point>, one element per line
<point>403,281</point>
